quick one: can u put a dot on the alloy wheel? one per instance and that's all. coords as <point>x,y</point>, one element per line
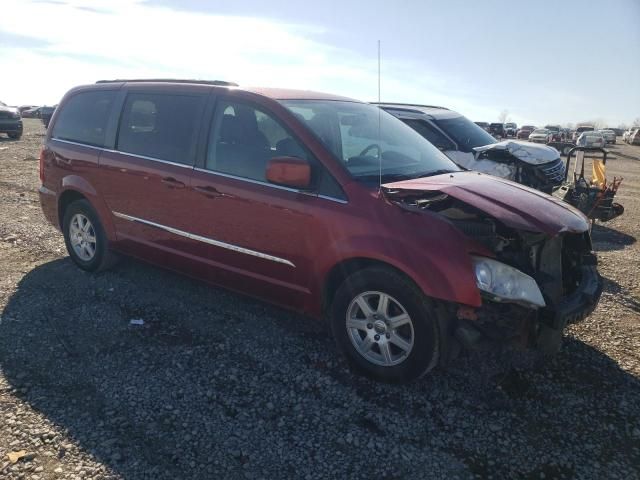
<point>82,236</point>
<point>380,328</point>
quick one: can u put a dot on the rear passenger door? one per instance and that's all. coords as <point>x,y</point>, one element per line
<point>145,177</point>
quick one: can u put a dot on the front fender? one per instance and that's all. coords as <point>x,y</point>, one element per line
<point>440,265</point>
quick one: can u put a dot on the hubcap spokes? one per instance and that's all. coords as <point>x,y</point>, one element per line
<point>82,236</point>
<point>380,328</point>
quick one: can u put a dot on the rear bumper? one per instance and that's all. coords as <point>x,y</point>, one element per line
<point>49,204</point>
<point>10,126</point>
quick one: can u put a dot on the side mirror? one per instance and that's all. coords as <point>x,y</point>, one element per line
<point>289,172</point>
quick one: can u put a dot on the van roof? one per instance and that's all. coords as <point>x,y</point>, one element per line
<point>274,93</point>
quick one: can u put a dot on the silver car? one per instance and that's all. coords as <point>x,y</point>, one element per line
<point>580,130</point>
<point>591,139</point>
<point>541,135</point>
<point>609,135</point>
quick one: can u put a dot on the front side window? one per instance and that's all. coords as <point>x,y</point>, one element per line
<point>83,118</point>
<point>244,139</point>
<point>369,141</point>
<point>432,134</point>
<point>160,126</point>
<point>465,133</point>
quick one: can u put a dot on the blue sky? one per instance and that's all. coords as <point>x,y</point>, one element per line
<point>544,61</point>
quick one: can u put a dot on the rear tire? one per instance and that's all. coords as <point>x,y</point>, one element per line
<point>85,238</point>
<point>394,342</point>
<point>15,136</point>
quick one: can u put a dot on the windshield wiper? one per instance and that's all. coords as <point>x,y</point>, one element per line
<point>435,172</point>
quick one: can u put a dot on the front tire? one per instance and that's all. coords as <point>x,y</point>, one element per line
<point>385,326</point>
<point>85,238</point>
<point>14,136</point>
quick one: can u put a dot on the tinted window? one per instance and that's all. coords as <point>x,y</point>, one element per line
<point>431,134</point>
<point>244,139</point>
<point>83,118</point>
<point>160,126</point>
<point>465,133</point>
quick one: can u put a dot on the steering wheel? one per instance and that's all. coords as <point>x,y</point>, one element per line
<point>364,152</point>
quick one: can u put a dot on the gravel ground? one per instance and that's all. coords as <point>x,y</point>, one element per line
<point>215,385</point>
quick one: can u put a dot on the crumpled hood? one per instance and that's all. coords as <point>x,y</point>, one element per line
<point>530,153</point>
<point>514,205</point>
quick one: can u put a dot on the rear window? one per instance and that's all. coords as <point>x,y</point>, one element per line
<point>83,118</point>
<point>160,126</point>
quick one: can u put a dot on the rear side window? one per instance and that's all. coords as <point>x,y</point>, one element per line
<point>160,126</point>
<point>83,118</point>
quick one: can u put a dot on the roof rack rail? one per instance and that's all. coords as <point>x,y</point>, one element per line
<point>408,105</point>
<point>219,83</point>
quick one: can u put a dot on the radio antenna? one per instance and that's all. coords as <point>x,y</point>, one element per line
<point>379,123</point>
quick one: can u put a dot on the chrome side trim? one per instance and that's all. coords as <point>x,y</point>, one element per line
<point>333,199</point>
<point>248,180</point>
<point>210,241</point>
<point>76,143</point>
<point>102,149</point>
<point>267,184</point>
<point>153,159</point>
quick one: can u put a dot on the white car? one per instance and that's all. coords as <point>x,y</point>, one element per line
<point>591,139</point>
<point>541,135</point>
<point>609,135</point>
<point>633,138</point>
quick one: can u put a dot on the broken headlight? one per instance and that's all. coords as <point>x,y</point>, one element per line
<point>506,284</point>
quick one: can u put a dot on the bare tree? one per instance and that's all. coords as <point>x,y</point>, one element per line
<point>504,116</point>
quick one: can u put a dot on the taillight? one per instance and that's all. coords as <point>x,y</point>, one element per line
<point>42,166</point>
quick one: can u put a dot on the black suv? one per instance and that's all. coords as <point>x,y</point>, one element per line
<point>10,121</point>
<point>497,130</point>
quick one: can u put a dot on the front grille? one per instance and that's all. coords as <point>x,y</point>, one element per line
<point>553,172</point>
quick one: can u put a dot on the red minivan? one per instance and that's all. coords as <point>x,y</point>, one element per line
<point>321,204</point>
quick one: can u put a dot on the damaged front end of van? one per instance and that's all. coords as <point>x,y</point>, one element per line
<point>531,256</point>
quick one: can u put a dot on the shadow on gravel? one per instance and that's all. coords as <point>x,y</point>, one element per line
<point>217,385</point>
<point>606,239</point>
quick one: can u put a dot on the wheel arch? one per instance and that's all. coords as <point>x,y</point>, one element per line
<point>343,269</point>
<point>67,198</point>
<point>76,188</point>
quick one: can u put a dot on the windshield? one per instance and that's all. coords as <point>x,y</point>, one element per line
<point>350,131</point>
<point>584,129</point>
<point>464,132</point>
<point>541,131</point>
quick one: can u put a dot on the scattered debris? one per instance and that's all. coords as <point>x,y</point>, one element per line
<point>15,457</point>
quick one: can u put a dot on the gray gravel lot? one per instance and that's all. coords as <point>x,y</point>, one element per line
<point>215,385</point>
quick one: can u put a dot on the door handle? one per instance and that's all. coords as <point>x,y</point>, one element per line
<point>172,182</point>
<point>209,191</point>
